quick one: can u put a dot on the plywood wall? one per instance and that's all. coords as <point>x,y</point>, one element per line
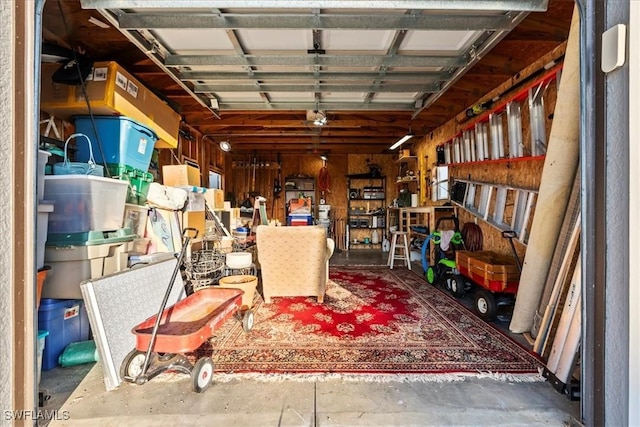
<point>239,180</point>
<point>524,174</point>
<point>242,178</point>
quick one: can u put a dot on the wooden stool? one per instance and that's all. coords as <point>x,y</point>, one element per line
<point>403,249</point>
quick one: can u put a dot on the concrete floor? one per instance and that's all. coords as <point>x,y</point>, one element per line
<point>78,393</point>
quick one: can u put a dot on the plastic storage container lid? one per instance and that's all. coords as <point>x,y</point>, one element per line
<point>90,238</point>
<point>193,189</point>
<point>49,304</point>
<point>45,206</point>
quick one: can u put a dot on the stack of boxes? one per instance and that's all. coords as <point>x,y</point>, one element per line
<point>83,218</point>
<point>187,178</point>
<point>112,91</point>
<point>84,241</point>
<point>86,238</point>
<point>125,146</point>
<point>300,211</point>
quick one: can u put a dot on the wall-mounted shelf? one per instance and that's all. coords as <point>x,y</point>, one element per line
<point>502,206</point>
<point>408,174</point>
<point>497,134</point>
<point>407,181</point>
<point>404,159</point>
<point>505,160</point>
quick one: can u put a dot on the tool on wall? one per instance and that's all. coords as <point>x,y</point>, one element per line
<point>277,187</point>
<point>246,203</point>
<point>324,180</point>
<point>254,162</point>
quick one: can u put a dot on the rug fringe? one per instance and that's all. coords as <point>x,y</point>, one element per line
<point>379,378</point>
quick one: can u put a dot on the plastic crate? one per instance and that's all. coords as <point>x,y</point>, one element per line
<point>72,264</point>
<point>43,158</point>
<point>67,322</point>
<point>139,182</point>
<point>42,336</point>
<point>84,203</point>
<point>295,220</point>
<point>124,141</point>
<point>195,198</point>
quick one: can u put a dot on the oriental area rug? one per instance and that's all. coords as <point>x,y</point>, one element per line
<point>373,322</point>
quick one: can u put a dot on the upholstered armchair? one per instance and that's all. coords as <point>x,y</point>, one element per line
<point>294,261</point>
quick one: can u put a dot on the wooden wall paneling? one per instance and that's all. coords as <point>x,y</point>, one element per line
<point>523,174</point>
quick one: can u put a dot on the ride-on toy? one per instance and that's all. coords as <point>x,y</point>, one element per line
<point>444,271</point>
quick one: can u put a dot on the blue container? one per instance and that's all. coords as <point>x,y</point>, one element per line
<point>124,141</point>
<point>299,220</point>
<point>66,321</point>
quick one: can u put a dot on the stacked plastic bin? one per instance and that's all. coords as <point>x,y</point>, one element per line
<point>125,146</point>
<point>44,208</point>
<point>85,240</point>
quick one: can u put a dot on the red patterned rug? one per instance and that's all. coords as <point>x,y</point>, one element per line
<point>373,321</point>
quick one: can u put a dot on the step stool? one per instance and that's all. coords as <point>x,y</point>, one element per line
<point>403,249</point>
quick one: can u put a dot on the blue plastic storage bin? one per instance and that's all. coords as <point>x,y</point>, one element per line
<point>299,220</point>
<point>66,321</point>
<point>124,141</point>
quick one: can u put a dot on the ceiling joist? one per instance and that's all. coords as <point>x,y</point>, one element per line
<point>253,71</point>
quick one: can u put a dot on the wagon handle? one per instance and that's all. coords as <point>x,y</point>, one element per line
<point>510,234</point>
<point>194,232</point>
<point>140,379</point>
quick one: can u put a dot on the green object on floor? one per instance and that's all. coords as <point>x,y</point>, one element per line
<point>78,353</point>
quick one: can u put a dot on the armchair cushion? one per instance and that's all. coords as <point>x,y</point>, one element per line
<point>294,261</point>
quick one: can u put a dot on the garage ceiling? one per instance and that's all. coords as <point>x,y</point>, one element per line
<point>260,73</point>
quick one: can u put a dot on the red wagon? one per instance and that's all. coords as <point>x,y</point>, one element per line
<point>494,274</point>
<point>162,340</point>
<point>183,328</point>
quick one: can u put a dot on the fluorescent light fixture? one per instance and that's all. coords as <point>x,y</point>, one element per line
<point>401,141</point>
<point>225,146</point>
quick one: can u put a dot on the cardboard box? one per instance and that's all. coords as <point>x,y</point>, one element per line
<point>300,206</point>
<point>215,199</point>
<point>180,176</point>
<point>111,90</point>
<point>194,219</point>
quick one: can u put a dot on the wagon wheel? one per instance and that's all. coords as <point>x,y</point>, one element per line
<point>202,374</point>
<point>132,364</point>
<point>486,304</point>
<point>456,285</point>
<point>247,321</point>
